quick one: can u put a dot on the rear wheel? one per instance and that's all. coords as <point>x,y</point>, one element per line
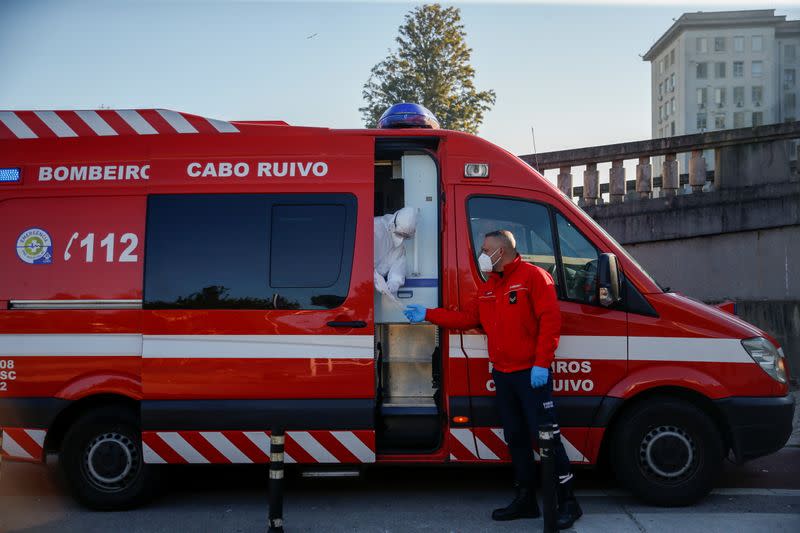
<point>667,451</point>
<point>101,457</point>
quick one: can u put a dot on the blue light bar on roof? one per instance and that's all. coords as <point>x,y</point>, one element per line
<point>10,175</point>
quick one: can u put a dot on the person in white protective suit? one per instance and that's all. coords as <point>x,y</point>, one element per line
<point>390,255</point>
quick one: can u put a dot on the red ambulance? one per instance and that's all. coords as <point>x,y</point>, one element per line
<point>173,288</point>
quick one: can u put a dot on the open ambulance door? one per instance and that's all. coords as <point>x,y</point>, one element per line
<point>409,401</point>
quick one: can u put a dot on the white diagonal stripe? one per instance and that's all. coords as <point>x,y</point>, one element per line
<point>288,458</point>
<point>484,452</point>
<point>56,124</point>
<point>464,436</point>
<point>260,439</point>
<point>13,449</point>
<point>355,446</point>
<point>225,447</point>
<point>181,447</point>
<point>106,344</point>
<point>177,121</point>
<point>222,126</point>
<point>136,121</point>
<point>453,457</point>
<point>312,447</point>
<point>572,451</point>
<point>37,435</point>
<point>501,435</point>
<point>15,124</point>
<point>96,122</point>
<point>150,456</point>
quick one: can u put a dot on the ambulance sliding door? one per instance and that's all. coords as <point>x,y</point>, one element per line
<point>258,315</point>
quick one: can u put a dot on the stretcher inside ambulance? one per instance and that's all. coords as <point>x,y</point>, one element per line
<point>175,288</point>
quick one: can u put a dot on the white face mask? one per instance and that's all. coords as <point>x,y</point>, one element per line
<point>485,261</point>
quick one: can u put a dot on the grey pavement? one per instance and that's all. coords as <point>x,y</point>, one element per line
<point>398,499</point>
<point>762,495</point>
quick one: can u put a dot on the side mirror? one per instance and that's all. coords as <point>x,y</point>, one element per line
<point>607,280</point>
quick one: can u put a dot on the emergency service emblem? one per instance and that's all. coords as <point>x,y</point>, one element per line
<point>35,247</point>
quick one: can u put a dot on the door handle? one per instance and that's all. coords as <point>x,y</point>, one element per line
<point>347,324</point>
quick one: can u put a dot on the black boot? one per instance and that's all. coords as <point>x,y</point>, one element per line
<point>568,509</point>
<point>524,505</point>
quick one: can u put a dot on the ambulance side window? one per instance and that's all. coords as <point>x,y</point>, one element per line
<point>528,221</point>
<point>578,261</point>
<point>249,251</point>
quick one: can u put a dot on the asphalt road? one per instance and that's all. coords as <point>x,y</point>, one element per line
<point>763,495</point>
<point>760,496</point>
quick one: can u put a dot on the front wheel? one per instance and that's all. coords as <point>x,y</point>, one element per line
<point>101,457</point>
<point>667,451</point>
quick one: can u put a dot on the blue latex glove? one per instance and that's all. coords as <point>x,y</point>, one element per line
<point>415,313</point>
<point>539,376</point>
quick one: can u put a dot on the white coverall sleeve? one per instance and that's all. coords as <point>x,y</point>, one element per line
<point>397,274</point>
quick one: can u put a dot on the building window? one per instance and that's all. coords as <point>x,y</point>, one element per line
<point>789,102</point>
<point>738,96</point>
<point>738,44</point>
<point>719,96</point>
<point>738,69</point>
<point>660,90</point>
<point>702,71</point>
<point>672,57</point>
<point>757,43</point>
<point>757,69</point>
<point>719,44</point>
<point>660,113</point>
<point>249,251</point>
<point>719,121</point>
<point>719,69</point>
<point>789,53</point>
<point>738,119</point>
<point>758,118</point>
<point>702,97</point>
<point>672,106</point>
<point>672,83</point>
<point>672,129</point>
<point>702,45</point>
<point>757,95</point>
<point>701,121</point>
<point>662,65</point>
<point>788,78</point>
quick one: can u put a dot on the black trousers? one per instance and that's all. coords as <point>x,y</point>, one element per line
<point>522,409</point>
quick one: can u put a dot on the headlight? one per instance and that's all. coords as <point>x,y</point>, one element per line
<point>769,358</point>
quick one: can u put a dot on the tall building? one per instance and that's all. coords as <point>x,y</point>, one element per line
<point>724,69</point>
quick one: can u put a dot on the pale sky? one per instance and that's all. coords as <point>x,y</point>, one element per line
<point>570,70</point>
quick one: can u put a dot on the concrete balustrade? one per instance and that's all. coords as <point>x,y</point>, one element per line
<point>743,157</point>
<point>591,184</point>
<point>616,181</point>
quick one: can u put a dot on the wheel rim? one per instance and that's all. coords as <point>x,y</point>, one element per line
<point>111,461</point>
<point>668,454</point>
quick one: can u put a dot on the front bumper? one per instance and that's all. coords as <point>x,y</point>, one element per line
<point>757,426</point>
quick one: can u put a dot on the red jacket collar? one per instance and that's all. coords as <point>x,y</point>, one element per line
<point>508,269</point>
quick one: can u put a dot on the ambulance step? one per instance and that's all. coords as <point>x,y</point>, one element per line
<point>323,473</point>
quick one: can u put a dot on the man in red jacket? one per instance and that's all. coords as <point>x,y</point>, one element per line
<point>518,309</point>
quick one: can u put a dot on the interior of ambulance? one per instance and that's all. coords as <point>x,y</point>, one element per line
<point>408,356</point>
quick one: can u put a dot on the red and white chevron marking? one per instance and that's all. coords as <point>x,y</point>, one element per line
<point>304,447</point>
<point>21,444</point>
<point>105,123</point>
<point>488,444</point>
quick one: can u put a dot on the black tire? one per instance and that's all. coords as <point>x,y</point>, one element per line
<point>101,457</point>
<point>667,451</point>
